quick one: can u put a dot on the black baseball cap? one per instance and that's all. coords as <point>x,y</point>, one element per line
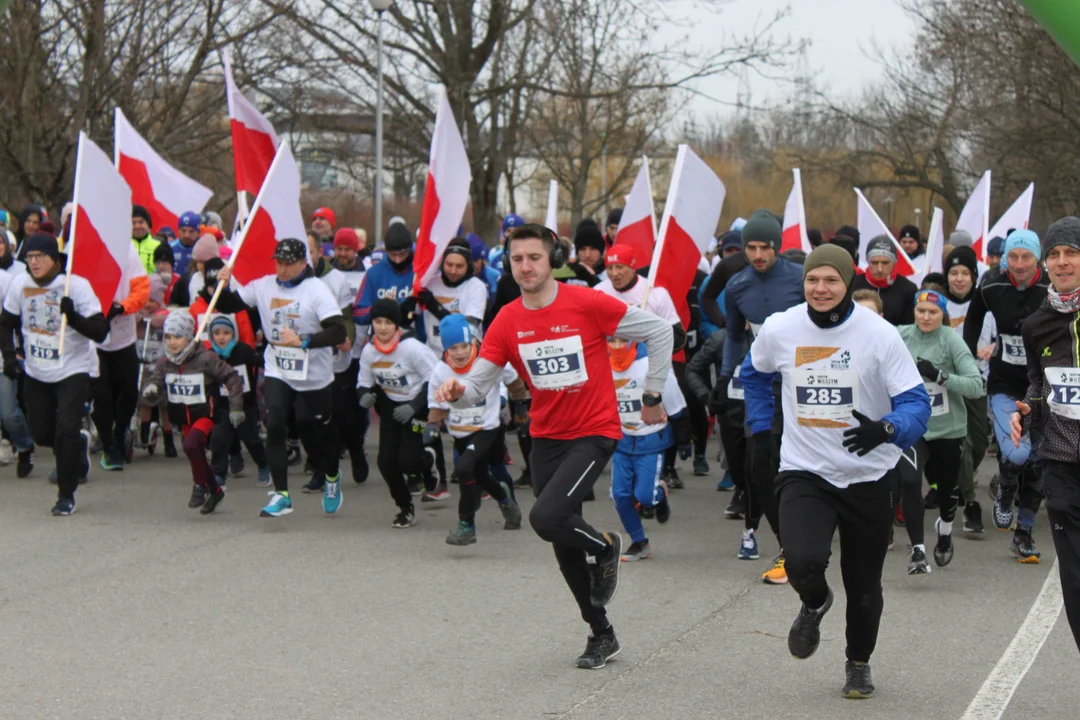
<point>290,250</point>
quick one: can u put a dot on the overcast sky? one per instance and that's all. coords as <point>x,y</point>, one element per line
<point>841,33</point>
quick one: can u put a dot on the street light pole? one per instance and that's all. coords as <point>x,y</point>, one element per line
<point>380,6</point>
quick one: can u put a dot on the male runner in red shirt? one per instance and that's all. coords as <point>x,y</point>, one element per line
<point>555,336</point>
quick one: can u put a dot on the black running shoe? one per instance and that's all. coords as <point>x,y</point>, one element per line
<point>525,481</point>
<point>973,522</point>
<point>605,571</point>
<point>673,480</point>
<point>917,564</point>
<point>737,508</point>
<point>170,445</point>
<point>859,686</point>
<point>236,465</point>
<point>315,484</point>
<point>663,508</point>
<point>805,634</point>
<point>25,464</point>
<point>930,502</point>
<point>212,501</point>
<point>943,551</point>
<point>294,456</point>
<point>598,650</point>
<point>198,496</point>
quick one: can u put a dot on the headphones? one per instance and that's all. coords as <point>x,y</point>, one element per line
<point>557,256</point>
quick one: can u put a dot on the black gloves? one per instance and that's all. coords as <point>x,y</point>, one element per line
<point>433,306</point>
<point>762,458</point>
<point>114,311</point>
<point>717,402</point>
<point>408,310</point>
<point>927,370</point>
<point>520,411</point>
<point>867,436</point>
<point>67,307</point>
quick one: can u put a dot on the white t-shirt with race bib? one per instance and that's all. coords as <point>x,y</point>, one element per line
<point>629,386</point>
<point>122,330</point>
<point>658,303</point>
<point>336,282</point>
<point>401,373</point>
<point>469,298</point>
<point>483,416</point>
<point>39,309</point>
<point>301,309</point>
<point>827,373</point>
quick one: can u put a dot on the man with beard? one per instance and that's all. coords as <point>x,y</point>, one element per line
<point>323,223</point>
<point>589,245</point>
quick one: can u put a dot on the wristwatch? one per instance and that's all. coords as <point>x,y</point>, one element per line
<point>890,429</point>
<point>943,377</point>
<point>650,399</point>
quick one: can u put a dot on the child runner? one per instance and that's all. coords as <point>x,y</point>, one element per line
<point>400,368</point>
<point>475,430</point>
<point>190,375</point>
<point>636,486</point>
<point>242,357</point>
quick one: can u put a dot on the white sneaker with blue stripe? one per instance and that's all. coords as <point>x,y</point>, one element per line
<point>279,505</point>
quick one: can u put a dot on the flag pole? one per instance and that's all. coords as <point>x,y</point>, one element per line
<point>70,248</point>
<point>669,207</point>
<point>804,238</point>
<point>896,245</point>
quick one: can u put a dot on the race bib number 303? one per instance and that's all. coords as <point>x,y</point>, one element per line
<point>555,364</point>
<point>825,398</point>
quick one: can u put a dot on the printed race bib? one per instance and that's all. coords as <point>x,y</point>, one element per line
<point>555,364</point>
<point>1012,350</point>
<point>42,349</point>
<point>185,389</point>
<point>735,386</point>
<point>1064,395</point>
<point>629,400</point>
<point>242,372</point>
<point>291,362</point>
<point>939,399</point>
<point>825,398</point>
<point>466,421</point>
<point>391,377</point>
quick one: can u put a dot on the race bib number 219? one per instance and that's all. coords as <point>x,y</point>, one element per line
<point>555,364</point>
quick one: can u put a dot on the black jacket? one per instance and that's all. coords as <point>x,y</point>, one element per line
<point>1050,340</point>
<point>898,299</point>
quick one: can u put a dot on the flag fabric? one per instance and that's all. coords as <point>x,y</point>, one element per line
<point>275,215</point>
<point>794,236</point>
<point>694,202</point>
<point>935,245</point>
<point>870,226</point>
<point>975,217</point>
<point>163,190</point>
<point>1016,217</point>
<point>446,195</point>
<point>101,222</point>
<point>551,220</point>
<point>637,228</point>
<point>254,140</point>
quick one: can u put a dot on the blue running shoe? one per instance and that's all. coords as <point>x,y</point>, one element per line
<point>331,498</point>
<point>63,507</point>
<point>727,483</point>
<point>748,549</point>
<point>264,480</point>
<point>279,505</point>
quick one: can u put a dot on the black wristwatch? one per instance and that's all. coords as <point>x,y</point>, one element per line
<point>890,429</point>
<point>650,399</point>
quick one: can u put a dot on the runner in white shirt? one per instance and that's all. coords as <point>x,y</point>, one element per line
<point>475,430</point>
<point>394,372</point>
<point>57,386</point>
<point>624,283</point>
<point>853,399</point>
<point>116,389</point>
<point>453,290</point>
<point>302,322</point>
<point>11,415</point>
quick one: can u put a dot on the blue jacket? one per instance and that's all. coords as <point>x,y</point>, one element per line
<point>181,256</point>
<point>490,276</point>
<point>751,297</point>
<point>382,281</point>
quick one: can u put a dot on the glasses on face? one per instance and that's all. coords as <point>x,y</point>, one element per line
<point>34,257</point>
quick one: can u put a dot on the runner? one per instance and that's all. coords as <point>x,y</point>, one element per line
<point>832,471</point>
<point>1011,295</point>
<point>303,323</point>
<point>323,225</point>
<point>141,239</point>
<point>771,284</point>
<point>184,244</point>
<point>951,377</point>
<point>1051,406</point>
<point>555,337</point>
<point>453,290</point>
<point>897,292</point>
<point>400,366</point>
<point>11,415</point>
<point>475,430</point>
<point>56,387</point>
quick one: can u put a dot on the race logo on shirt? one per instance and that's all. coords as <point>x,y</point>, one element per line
<point>806,355</point>
<point>450,303</point>
<point>843,362</point>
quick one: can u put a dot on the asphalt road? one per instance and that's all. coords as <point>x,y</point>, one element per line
<point>137,607</point>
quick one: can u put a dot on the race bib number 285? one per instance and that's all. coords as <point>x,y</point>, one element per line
<point>555,364</point>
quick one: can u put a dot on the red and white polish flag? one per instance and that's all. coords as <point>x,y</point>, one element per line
<point>694,202</point>
<point>163,190</point>
<point>446,195</point>
<point>975,217</point>
<point>794,236</point>
<point>1016,217</point>
<point>870,226</point>
<point>551,220</point>
<point>935,243</point>
<point>275,215</point>
<point>638,225</point>
<point>254,141</point>
<point>100,223</point>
